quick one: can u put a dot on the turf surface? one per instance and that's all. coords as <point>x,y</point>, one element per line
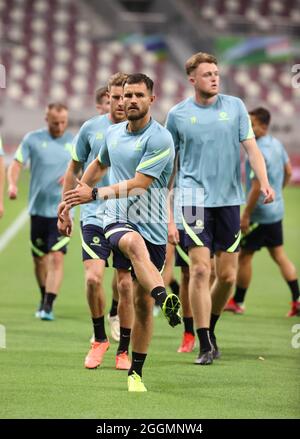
<point>41,369</point>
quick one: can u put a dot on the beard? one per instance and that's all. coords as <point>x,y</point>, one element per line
<point>136,116</point>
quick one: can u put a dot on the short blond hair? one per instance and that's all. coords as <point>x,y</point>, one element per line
<point>117,80</point>
<point>199,58</point>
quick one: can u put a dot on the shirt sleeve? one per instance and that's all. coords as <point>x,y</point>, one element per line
<point>245,126</point>
<point>103,155</point>
<point>171,127</point>
<point>80,146</point>
<point>23,151</point>
<point>159,150</point>
<point>285,156</point>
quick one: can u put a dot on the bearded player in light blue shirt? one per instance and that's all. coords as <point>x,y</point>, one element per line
<point>261,224</point>
<point>140,153</point>
<point>95,247</point>
<point>49,152</point>
<point>207,130</point>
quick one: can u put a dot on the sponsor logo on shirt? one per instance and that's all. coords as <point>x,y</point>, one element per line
<point>193,120</point>
<point>99,136</point>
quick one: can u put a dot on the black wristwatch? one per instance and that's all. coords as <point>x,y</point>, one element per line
<point>94,193</point>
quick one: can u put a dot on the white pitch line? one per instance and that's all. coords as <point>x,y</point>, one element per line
<point>12,230</point>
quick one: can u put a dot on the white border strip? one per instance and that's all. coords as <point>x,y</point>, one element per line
<point>12,230</point>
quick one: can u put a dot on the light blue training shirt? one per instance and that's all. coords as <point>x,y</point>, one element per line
<point>149,151</point>
<point>208,139</point>
<point>275,157</point>
<point>49,158</point>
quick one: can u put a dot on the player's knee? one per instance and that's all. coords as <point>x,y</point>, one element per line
<point>133,246</point>
<point>227,277</point>
<point>199,271</point>
<point>93,279</point>
<point>125,287</point>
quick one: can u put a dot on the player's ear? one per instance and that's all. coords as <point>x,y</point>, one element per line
<point>152,99</point>
<point>192,80</point>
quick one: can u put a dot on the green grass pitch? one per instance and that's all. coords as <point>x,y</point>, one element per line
<point>42,373</point>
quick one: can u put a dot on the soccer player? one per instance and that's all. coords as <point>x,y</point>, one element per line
<point>140,153</point>
<point>207,129</point>
<point>49,152</point>
<point>95,247</point>
<point>261,224</point>
<point>102,100</point>
<point>2,178</point>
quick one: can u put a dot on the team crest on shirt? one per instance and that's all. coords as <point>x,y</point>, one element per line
<point>44,144</point>
<point>99,136</point>
<point>114,143</point>
<point>223,116</point>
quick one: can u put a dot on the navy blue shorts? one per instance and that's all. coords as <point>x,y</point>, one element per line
<point>45,237</point>
<point>181,253</point>
<point>218,230</point>
<point>114,233</point>
<point>262,235</point>
<point>94,243</point>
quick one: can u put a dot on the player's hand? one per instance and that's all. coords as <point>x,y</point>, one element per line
<point>268,193</point>
<point>62,211</point>
<point>173,234</point>
<point>65,226</point>
<point>245,222</point>
<point>12,191</point>
<point>80,195</point>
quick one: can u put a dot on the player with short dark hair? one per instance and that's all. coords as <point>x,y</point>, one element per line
<point>49,152</point>
<point>207,130</point>
<point>140,154</point>
<point>261,224</point>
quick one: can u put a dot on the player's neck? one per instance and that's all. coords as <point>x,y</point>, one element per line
<point>137,125</point>
<point>205,100</point>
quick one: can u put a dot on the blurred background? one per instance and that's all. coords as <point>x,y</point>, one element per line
<point>65,49</point>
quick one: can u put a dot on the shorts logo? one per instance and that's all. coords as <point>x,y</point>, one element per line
<point>199,224</point>
<point>223,116</point>
<point>96,241</point>
<point>39,242</point>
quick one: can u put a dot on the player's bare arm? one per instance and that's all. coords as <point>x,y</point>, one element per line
<point>258,165</point>
<point>13,175</point>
